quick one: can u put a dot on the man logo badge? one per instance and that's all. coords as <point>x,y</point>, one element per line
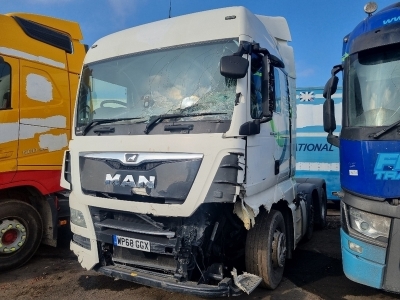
<point>131,157</point>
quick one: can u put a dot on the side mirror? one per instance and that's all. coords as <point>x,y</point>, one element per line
<point>266,105</point>
<point>330,122</point>
<point>250,128</point>
<point>331,86</point>
<point>234,67</point>
<point>329,106</point>
<point>329,116</point>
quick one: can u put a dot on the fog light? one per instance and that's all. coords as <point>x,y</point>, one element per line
<point>355,247</point>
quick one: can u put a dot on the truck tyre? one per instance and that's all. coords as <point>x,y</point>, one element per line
<point>320,213</point>
<point>265,253</point>
<point>21,232</point>
<point>310,218</point>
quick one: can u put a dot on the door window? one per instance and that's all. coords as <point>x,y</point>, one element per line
<point>5,86</point>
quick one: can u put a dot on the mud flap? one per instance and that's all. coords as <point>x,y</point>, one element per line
<point>246,282</point>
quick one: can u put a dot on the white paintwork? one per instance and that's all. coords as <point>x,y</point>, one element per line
<point>29,131</point>
<point>317,166</point>
<point>191,28</point>
<point>311,134</point>
<point>320,96</point>
<point>8,132</point>
<point>53,142</point>
<point>282,190</point>
<point>39,88</point>
<point>315,116</point>
<point>277,27</point>
<point>353,172</point>
<point>31,126</point>
<point>214,149</point>
<point>85,257</point>
<point>28,56</point>
<point>53,121</point>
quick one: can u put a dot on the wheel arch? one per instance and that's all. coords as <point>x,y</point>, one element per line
<point>316,191</point>
<point>44,204</point>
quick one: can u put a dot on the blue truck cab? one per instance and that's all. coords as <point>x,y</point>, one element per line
<point>369,147</point>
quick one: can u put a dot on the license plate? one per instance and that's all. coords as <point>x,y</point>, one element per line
<point>131,243</point>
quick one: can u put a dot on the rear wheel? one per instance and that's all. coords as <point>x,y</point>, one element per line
<point>266,248</point>
<point>20,233</point>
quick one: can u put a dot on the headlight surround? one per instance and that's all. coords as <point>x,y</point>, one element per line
<point>77,218</point>
<point>371,225</point>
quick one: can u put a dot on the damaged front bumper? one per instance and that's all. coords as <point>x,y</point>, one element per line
<point>167,282</point>
<point>197,255</point>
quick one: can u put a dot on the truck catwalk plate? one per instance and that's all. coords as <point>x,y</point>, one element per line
<point>131,243</point>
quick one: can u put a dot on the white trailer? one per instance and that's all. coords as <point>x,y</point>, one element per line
<point>182,178</point>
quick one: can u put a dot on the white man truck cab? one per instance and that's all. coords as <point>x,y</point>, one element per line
<point>182,178</point>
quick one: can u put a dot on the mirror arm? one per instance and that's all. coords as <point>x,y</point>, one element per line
<point>244,48</point>
<point>333,140</point>
<point>336,69</point>
<point>265,119</point>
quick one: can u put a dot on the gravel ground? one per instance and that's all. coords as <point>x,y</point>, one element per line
<point>314,273</point>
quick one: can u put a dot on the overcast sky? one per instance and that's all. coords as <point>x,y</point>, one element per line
<point>317,26</point>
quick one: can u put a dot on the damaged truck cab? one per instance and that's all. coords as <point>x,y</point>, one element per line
<point>182,161</point>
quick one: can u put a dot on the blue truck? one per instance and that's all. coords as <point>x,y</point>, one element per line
<point>369,147</point>
<point>315,157</point>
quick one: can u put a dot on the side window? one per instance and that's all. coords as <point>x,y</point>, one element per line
<point>256,95</point>
<point>277,91</point>
<point>5,86</point>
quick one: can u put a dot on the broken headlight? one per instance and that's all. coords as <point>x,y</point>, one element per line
<point>77,218</point>
<point>371,225</point>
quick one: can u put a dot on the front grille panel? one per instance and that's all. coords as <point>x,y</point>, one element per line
<point>117,165</point>
<point>164,182</point>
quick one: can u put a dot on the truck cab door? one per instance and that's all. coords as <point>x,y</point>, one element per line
<point>280,125</point>
<point>268,153</point>
<point>260,159</point>
<point>9,117</point>
<point>45,106</point>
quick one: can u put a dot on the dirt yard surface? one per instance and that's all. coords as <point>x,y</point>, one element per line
<point>314,273</point>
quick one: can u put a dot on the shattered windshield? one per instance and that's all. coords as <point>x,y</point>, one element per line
<point>374,87</point>
<point>183,80</point>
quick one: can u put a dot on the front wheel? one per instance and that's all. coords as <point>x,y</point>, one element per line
<point>266,248</point>
<point>21,232</point>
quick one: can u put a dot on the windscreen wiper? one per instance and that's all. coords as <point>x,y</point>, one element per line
<point>385,130</point>
<point>154,120</point>
<point>103,121</point>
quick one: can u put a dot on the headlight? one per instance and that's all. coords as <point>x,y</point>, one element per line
<point>371,225</point>
<point>77,218</point>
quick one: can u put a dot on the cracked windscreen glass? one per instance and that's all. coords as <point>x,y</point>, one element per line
<point>374,87</point>
<point>183,80</point>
